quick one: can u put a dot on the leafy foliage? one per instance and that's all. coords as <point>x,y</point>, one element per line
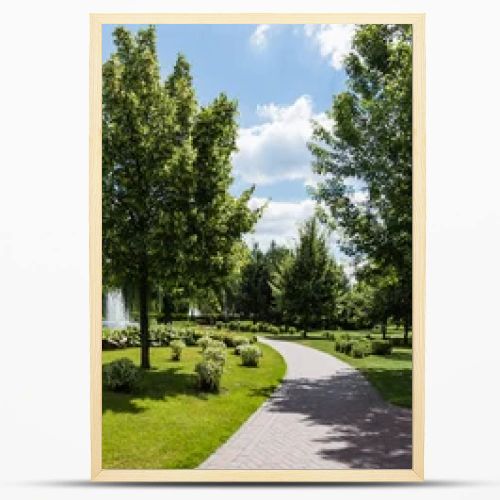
<point>250,355</point>
<point>168,216</point>
<point>361,348</point>
<point>216,354</point>
<point>120,375</point>
<point>177,346</point>
<point>381,347</point>
<point>371,145</point>
<point>209,374</point>
<point>308,281</point>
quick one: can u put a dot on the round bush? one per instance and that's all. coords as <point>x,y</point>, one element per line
<point>254,329</point>
<point>209,374</point>
<point>273,330</point>
<point>189,337</point>
<point>120,375</point>
<point>381,347</point>
<point>361,349</point>
<point>229,339</point>
<point>238,342</point>
<point>234,326</point>
<point>250,355</point>
<point>177,346</point>
<point>217,336</point>
<point>215,354</point>
<point>204,341</point>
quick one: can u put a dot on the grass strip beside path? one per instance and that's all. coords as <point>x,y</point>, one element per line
<point>167,423</point>
<point>391,374</point>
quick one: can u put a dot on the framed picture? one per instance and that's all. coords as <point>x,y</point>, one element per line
<point>257,247</point>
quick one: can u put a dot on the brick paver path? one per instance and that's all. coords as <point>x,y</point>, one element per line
<point>325,415</point>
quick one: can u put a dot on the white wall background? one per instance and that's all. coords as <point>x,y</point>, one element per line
<point>44,362</point>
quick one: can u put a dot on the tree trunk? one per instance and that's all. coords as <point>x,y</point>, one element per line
<point>407,328</point>
<point>384,328</point>
<point>144,323</point>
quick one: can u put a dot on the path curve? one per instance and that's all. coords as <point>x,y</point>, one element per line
<point>325,415</point>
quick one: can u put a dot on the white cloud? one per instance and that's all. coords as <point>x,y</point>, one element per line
<point>259,37</point>
<point>334,40</point>
<point>276,150</point>
<point>280,221</point>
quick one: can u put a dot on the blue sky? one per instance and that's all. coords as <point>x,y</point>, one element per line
<point>283,76</point>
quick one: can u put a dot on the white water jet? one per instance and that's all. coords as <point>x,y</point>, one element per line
<point>116,314</point>
<point>193,312</point>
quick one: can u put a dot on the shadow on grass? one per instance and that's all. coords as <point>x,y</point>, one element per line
<point>154,384</point>
<point>394,384</point>
<point>266,391</point>
<point>400,356</point>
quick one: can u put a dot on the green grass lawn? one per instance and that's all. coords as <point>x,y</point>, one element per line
<point>167,423</point>
<point>391,375</point>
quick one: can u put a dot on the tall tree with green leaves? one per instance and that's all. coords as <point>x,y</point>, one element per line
<point>370,145</point>
<point>255,292</point>
<point>168,217</point>
<point>309,283</point>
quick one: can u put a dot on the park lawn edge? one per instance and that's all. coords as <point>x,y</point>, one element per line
<point>382,385</point>
<point>193,440</point>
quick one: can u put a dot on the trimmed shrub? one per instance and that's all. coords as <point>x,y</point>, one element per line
<point>283,329</point>
<point>215,354</point>
<point>216,343</point>
<point>344,346</point>
<point>189,337</point>
<point>218,336</point>
<point>292,330</point>
<point>273,330</point>
<point>238,342</point>
<point>177,346</point>
<point>381,347</point>
<point>228,339</point>
<point>204,341</point>
<point>120,375</point>
<point>209,374</point>
<point>250,355</point>
<point>219,325</point>
<point>234,326</point>
<point>361,348</point>
<point>254,328</point>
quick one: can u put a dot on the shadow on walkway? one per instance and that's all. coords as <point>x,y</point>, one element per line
<point>366,432</point>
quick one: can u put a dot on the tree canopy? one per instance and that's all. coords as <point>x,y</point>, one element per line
<point>369,149</point>
<point>307,283</point>
<point>168,216</point>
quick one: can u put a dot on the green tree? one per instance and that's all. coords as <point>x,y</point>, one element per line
<point>308,284</point>
<point>355,306</point>
<point>168,217</point>
<point>255,296</point>
<point>255,292</point>
<point>371,144</point>
<point>385,293</point>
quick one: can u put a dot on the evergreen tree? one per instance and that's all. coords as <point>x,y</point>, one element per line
<point>308,284</point>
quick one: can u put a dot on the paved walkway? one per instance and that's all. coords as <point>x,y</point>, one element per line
<point>325,415</point>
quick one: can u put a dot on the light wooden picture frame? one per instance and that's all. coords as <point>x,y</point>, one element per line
<point>416,473</point>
